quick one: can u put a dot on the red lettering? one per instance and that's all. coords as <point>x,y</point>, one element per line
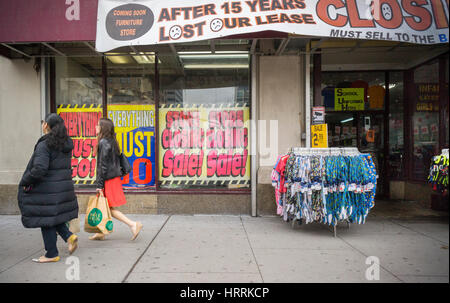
<point>167,163</point>
<point>93,167</point>
<point>418,11</point>
<point>77,148</point>
<point>322,12</point>
<point>211,163</point>
<point>86,148</point>
<point>148,176</point>
<point>440,17</point>
<point>74,164</point>
<point>83,168</point>
<point>237,162</point>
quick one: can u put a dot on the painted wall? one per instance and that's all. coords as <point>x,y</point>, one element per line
<point>20,117</point>
<point>281,98</point>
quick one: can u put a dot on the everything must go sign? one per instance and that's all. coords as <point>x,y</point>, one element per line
<point>124,23</point>
<point>135,133</point>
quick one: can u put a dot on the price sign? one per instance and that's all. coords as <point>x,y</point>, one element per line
<point>319,136</point>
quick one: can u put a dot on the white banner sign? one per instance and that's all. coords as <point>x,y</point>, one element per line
<point>124,23</point>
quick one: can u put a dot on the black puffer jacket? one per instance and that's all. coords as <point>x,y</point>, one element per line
<point>50,197</point>
<point>108,162</point>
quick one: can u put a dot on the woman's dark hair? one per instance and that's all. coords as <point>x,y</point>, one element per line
<point>57,137</point>
<point>107,132</point>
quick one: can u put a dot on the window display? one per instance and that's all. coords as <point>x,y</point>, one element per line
<point>357,90</point>
<point>204,121</point>
<point>131,106</point>
<point>396,157</point>
<point>425,119</point>
<point>78,92</point>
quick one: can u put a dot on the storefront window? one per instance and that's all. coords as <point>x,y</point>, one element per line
<point>342,130</point>
<point>425,120</point>
<point>446,105</point>
<point>78,92</point>
<point>131,106</point>
<point>353,91</point>
<point>204,119</point>
<point>78,80</point>
<point>396,120</point>
<point>354,104</point>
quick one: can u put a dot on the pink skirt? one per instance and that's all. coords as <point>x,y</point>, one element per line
<point>114,192</point>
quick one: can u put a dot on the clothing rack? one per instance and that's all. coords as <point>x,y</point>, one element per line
<point>438,173</point>
<point>333,151</point>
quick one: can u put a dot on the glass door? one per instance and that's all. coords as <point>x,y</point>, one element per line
<point>371,141</point>
<point>342,129</point>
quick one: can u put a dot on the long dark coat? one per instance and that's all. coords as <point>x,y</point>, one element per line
<point>49,199</point>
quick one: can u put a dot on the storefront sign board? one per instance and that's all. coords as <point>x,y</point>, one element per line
<point>319,136</point>
<point>125,23</point>
<point>348,99</point>
<point>318,115</point>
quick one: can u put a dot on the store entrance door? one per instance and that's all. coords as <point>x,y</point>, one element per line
<point>371,141</point>
<point>364,131</point>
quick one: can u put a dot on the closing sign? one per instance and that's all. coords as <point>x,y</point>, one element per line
<point>122,23</point>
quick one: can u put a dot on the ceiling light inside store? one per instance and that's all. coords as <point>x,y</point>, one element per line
<point>347,120</point>
<point>215,66</point>
<point>214,56</point>
<point>116,59</point>
<point>210,53</point>
<point>142,58</point>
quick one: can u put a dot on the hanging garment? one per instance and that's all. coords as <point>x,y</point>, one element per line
<point>438,174</point>
<point>326,189</point>
<point>278,181</point>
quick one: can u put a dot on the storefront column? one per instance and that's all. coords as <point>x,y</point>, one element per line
<point>104,87</point>
<point>442,100</point>
<point>254,132</point>
<point>308,97</point>
<point>280,108</point>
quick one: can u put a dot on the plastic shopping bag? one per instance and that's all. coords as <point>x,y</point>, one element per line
<point>98,216</point>
<point>74,225</point>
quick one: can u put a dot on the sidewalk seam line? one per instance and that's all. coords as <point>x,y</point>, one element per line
<point>20,261</point>
<point>416,231</point>
<point>368,256</point>
<point>143,253</point>
<point>251,248</point>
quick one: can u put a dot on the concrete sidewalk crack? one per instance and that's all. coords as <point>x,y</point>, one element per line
<point>145,251</point>
<point>251,248</point>
<point>21,260</point>
<point>416,231</point>
<point>362,253</point>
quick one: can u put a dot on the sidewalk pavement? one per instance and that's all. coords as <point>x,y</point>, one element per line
<point>210,248</point>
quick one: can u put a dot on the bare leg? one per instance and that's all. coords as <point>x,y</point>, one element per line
<point>134,226</point>
<point>121,217</point>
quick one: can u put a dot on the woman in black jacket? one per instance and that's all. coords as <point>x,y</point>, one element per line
<point>46,192</point>
<point>109,173</point>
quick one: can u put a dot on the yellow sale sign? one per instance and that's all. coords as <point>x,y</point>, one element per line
<point>319,136</point>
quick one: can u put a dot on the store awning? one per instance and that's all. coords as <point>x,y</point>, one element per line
<point>113,23</point>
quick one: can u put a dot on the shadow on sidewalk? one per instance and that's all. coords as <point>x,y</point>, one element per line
<point>406,210</point>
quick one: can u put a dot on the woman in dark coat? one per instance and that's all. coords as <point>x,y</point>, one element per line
<point>46,193</point>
